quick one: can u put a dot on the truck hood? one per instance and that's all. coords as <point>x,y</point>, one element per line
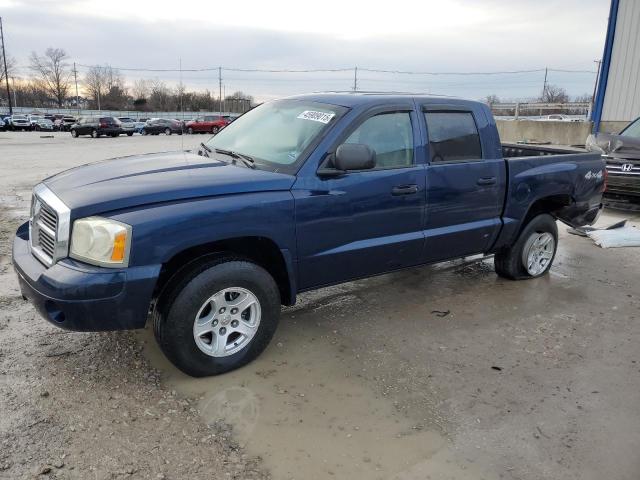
<point>161,177</point>
<point>615,146</point>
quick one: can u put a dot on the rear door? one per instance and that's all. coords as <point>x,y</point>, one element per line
<point>465,182</point>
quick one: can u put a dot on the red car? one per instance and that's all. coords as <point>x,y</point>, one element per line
<point>208,124</point>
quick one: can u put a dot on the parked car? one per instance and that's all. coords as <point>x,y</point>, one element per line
<point>65,123</point>
<point>97,126</point>
<point>622,154</point>
<point>295,195</point>
<point>208,124</point>
<point>156,126</point>
<point>4,122</point>
<point>19,122</point>
<point>128,125</point>
<point>39,123</point>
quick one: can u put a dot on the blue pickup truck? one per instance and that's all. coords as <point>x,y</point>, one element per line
<point>295,195</point>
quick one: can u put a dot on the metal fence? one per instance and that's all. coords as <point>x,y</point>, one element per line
<point>532,110</point>
<point>136,115</point>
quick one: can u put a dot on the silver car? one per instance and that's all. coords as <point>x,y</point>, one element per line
<point>19,122</point>
<point>128,125</point>
<point>38,123</point>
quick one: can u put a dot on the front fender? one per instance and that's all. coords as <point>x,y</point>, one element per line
<point>161,231</point>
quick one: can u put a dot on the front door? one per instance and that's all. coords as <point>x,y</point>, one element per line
<point>364,222</point>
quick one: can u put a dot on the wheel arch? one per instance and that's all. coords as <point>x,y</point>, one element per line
<point>261,250</point>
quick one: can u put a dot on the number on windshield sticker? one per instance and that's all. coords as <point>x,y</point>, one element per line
<point>316,116</point>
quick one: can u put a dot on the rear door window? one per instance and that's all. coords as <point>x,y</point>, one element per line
<point>453,137</point>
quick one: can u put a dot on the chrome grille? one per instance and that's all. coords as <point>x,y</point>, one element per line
<point>48,226</point>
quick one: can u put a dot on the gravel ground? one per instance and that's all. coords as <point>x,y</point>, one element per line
<point>90,406</point>
<point>443,372</point>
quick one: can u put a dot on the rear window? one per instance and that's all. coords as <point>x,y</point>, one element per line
<point>453,136</point>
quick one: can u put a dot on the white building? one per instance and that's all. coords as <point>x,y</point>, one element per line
<point>618,96</point>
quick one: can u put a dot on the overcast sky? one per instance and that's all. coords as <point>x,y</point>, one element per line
<point>419,35</point>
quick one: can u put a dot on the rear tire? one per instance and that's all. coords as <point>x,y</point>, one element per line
<point>183,307</point>
<point>190,131</point>
<point>532,254</point>
<point>215,130</point>
<point>129,134</point>
<point>167,131</point>
<point>94,133</point>
<point>74,133</point>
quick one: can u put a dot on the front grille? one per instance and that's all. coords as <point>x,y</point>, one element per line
<point>623,168</point>
<point>44,227</point>
<point>49,226</point>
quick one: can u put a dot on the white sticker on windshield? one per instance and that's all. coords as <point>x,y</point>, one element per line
<point>321,117</point>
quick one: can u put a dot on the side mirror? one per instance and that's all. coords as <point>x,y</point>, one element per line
<point>354,156</point>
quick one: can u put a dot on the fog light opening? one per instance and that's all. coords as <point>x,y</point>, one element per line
<point>54,313</point>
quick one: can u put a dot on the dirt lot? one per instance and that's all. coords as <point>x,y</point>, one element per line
<point>445,372</point>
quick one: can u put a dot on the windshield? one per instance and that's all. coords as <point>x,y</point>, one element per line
<point>632,130</point>
<point>277,133</point>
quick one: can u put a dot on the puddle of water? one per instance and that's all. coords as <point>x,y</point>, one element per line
<point>301,407</point>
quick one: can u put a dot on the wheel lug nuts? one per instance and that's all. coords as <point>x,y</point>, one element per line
<point>222,310</point>
<point>223,331</point>
<point>215,322</point>
<point>234,324</point>
<point>234,311</point>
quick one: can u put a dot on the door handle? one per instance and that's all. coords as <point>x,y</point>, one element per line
<point>404,190</point>
<point>486,181</point>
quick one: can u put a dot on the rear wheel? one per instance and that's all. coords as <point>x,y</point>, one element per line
<point>190,131</point>
<point>94,133</point>
<point>218,316</point>
<point>533,253</point>
<point>167,131</point>
<point>215,130</point>
<point>74,133</point>
<point>129,134</point>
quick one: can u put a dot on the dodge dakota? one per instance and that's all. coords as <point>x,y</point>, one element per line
<point>296,194</point>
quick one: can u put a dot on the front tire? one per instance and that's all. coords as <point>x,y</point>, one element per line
<point>532,255</point>
<point>167,131</point>
<point>129,134</point>
<point>215,130</point>
<point>190,131</point>
<point>74,133</point>
<point>94,133</point>
<point>217,316</point>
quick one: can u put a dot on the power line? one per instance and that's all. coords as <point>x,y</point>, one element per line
<point>332,70</point>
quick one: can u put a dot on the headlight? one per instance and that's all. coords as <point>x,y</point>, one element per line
<point>101,241</point>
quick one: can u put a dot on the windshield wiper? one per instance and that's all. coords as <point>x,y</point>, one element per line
<point>246,159</point>
<point>206,150</point>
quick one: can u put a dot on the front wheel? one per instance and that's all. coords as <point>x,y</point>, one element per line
<point>143,132</point>
<point>129,134</point>
<point>94,133</point>
<point>190,131</point>
<point>74,133</point>
<point>218,317</point>
<point>533,253</point>
<point>215,130</point>
<point>167,131</point>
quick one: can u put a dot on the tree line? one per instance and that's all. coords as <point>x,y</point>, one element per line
<point>52,83</point>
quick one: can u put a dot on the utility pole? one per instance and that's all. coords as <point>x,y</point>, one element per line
<point>595,85</point>
<point>6,71</point>
<point>220,91</point>
<point>544,85</point>
<point>355,79</point>
<point>75,77</point>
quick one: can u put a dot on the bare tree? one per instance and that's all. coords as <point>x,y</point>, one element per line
<point>554,94</point>
<point>141,89</point>
<point>11,67</point>
<point>53,71</point>
<point>161,97</point>
<point>584,98</point>
<point>491,99</point>
<point>105,86</point>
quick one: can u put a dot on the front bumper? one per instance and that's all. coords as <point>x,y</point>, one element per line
<point>76,296</point>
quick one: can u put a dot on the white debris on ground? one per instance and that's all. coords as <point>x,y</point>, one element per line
<point>618,237</point>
